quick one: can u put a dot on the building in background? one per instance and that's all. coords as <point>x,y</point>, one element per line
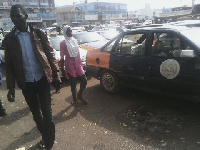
<point>69,14</point>
<point>104,12</point>
<point>92,13</point>
<point>101,12</point>
<point>64,14</point>
<point>41,13</point>
<point>173,14</point>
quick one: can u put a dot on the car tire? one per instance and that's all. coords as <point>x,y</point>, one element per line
<point>109,81</point>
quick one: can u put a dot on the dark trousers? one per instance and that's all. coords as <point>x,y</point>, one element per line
<point>38,97</point>
<point>73,82</point>
<point>2,110</point>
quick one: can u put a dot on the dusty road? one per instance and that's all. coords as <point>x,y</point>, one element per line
<point>122,121</point>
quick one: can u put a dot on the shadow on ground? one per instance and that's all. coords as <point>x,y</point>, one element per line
<point>154,121</point>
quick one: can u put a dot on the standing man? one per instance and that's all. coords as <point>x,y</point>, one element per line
<point>70,58</point>
<point>30,61</point>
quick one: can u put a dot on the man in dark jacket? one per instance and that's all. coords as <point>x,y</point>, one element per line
<point>30,61</point>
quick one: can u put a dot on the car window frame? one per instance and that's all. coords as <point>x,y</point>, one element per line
<point>130,33</point>
<point>108,43</point>
<point>177,34</point>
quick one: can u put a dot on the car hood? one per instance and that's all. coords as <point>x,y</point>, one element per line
<point>93,45</point>
<point>82,52</point>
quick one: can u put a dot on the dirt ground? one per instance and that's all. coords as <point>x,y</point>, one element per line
<point>127,120</point>
<point>164,123</point>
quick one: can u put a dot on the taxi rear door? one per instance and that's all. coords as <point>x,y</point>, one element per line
<point>177,72</point>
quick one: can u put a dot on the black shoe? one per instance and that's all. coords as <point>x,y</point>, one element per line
<point>40,145</point>
<point>2,113</point>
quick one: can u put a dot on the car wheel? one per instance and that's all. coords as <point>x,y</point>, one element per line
<point>109,81</point>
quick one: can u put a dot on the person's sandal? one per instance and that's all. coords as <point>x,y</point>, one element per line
<point>74,103</point>
<point>83,101</point>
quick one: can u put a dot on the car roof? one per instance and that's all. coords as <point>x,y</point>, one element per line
<point>79,32</point>
<point>185,22</point>
<point>160,28</point>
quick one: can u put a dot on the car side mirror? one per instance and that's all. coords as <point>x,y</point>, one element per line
<point>187,53</point>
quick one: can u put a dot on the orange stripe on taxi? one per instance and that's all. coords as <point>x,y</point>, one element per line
<point>97,58</point>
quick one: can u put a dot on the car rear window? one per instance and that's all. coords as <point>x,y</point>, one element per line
<point>192,35</point>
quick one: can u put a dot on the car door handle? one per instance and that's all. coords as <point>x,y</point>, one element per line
<point>97,60</point>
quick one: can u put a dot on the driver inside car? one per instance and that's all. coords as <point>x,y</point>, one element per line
<point>158,49</point>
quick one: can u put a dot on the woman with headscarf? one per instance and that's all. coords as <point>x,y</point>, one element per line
<point>70,58</point>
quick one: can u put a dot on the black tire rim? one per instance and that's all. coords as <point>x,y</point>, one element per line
<point>108,81</point>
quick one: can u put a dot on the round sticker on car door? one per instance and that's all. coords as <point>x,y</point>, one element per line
<point>169,68</point>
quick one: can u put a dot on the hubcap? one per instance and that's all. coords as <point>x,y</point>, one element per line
<point>108,81</point>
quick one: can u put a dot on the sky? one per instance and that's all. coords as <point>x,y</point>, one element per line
<point>136,4</point>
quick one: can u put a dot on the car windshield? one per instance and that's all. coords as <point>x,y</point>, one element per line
<point>55,42</point>
<point>97,28</point>
<point>192,35</point>
<point>88,37</point>
<point>109,34</point>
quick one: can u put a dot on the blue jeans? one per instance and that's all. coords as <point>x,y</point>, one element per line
<point>38,97</point>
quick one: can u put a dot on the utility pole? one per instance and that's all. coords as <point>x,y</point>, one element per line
<point>193,3</point>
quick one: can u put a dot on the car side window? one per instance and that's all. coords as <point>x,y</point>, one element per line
<point>133,44</point>
<point>108,47</point>
<point>170,45</point>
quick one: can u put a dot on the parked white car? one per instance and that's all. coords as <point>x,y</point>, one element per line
<point>147,22</point>
<point>50,30</point>
<point>55,42</point>
<point>2,50</point>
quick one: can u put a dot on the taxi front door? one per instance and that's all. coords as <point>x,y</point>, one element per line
<point>127,59</point>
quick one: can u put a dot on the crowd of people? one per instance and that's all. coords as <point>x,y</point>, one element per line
<point>30,61</point>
